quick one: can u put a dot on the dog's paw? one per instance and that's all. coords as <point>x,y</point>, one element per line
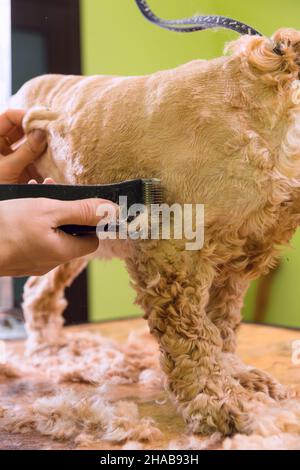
<point>255,380</point>
<point>225,416</point>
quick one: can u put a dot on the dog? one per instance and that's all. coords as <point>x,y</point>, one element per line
<point>224,133</point>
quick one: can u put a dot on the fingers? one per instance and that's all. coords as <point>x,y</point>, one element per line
<point>15,135</point>
<point>84,212</point>
<point>9,120</point>
<point>32,148</point>
<point>46,181</point>
<point>30,173</point>
<point>11,129</point>
<point>4,146</point>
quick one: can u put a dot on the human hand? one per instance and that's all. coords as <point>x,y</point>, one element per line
<point>16,163</point>
<point>46,181</point>
<point>31,242</point>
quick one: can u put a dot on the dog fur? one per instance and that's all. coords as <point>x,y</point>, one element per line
<point>225,133</point>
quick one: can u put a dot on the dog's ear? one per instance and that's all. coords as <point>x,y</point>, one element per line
<point>277,59</point>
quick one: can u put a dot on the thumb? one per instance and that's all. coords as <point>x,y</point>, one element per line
<point>68,247</point>
<point>85,212</point>
<point>30,150</point>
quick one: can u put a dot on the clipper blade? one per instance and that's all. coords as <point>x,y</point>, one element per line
<point>139,191</point>
<point>153,192</point>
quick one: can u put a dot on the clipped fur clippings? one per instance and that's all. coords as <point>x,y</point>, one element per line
<point>84,418</point>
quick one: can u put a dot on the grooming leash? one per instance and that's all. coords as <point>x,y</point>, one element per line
<point>195,23</point>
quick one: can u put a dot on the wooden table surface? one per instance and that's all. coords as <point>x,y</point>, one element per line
<point>269,348</point>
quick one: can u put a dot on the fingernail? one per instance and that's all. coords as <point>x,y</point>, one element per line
<point>39,136</point>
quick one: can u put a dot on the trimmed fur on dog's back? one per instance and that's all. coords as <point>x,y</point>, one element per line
<point>213,131</point>
<point>225,133</point>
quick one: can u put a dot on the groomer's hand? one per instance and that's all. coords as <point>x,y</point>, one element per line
<point>31,242</point>
<point>16,157</point>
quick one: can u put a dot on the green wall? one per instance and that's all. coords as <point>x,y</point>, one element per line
<point>117,40</point>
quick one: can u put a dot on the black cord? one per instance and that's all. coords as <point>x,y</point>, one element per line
<point>195,23</point>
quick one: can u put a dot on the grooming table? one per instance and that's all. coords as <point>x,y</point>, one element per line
<point>265,347</point>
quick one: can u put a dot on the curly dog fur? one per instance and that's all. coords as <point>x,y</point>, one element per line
<point>225,133</point>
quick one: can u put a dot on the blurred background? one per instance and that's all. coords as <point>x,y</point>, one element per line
<point>112,37</point>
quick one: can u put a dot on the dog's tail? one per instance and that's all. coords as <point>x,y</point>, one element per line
<point>195,23</point>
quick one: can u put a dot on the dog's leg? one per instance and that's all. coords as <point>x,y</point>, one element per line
<point>44,303</point>
<point>224,309</point>
<point>226,301</point>
<point>173,288</point>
